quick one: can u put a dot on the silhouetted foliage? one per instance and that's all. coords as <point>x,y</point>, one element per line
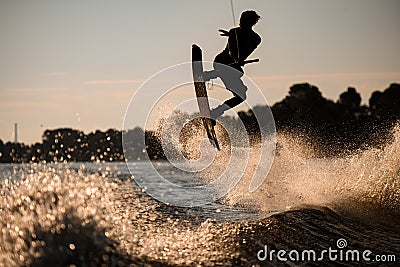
<point>350,101</point>
<point>333,128</point>
<point>386,105</point>
<point>336,128</point>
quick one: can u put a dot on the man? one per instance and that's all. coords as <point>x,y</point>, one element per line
<point>242,41</point>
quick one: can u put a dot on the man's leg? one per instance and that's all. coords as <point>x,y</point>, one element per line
<point>233,83</point>
<point>210,74</point>
<point>228,104</point>
<point>234,101</point>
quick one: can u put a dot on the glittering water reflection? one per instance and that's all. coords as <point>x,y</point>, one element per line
<point>59,214</point>
<point>94,215</point>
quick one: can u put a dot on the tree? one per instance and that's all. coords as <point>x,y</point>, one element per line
<point>386,105</point>
<point>350,100</point>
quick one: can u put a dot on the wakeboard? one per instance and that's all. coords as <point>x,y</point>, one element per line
<point>201,94</point>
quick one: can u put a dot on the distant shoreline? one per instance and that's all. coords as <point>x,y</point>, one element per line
<point>330,128</point>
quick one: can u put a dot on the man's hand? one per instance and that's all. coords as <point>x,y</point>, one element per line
<point>223,32</point>
<point>241,63</point>
<point>237,64</point>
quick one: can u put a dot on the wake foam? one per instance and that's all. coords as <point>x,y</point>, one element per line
<point>52,216</point>
<point>368,178</point>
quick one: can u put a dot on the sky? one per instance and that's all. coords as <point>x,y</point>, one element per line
<point>78,63</point>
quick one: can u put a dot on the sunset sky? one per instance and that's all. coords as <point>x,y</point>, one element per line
<point>77,63</point>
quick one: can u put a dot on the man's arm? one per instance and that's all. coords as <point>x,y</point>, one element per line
<point>239,55</point>
<point>233,45</point>
<point>223,32</point>
<point>246,48</point>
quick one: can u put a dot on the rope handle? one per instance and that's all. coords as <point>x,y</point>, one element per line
<point>246,62</point>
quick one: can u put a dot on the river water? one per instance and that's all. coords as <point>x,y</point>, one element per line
<point>337,211</point>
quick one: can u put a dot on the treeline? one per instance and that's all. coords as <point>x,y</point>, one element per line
<point>332,128</point>
<point>335,128</point>
<point>68,145</point>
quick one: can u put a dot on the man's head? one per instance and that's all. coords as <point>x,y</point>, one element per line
<point>248,19</point>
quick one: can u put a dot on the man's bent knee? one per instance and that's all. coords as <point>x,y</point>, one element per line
<point>242,93</point>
